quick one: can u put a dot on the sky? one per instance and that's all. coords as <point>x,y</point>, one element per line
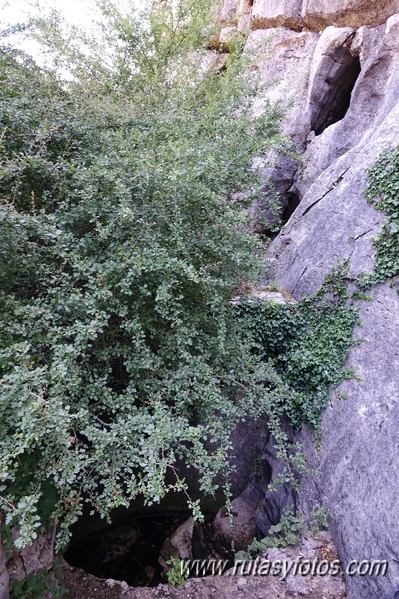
<point>77,12</point>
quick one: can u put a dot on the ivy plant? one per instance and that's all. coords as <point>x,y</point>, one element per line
<point>382,192</point>
<point>307,343</point>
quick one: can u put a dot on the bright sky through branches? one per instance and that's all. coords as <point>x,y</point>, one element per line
<point>83,13</point>
<point>12,12</point>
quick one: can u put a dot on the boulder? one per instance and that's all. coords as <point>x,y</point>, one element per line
<point>228,12</point>
<point>180,543</point>
<point>257,508</point>
<point>277,13</point>
<point>239,527</point>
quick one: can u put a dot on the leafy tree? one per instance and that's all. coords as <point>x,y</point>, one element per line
<point>123,236</point>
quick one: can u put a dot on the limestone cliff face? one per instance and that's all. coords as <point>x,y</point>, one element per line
<point>312,15</point>
<point>335,66</point>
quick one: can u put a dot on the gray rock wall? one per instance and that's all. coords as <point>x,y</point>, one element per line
<point>318,14</point>
<point>312,15</point>
<point>4,576</point>
<point>277,13</point>
<point>359,455</point>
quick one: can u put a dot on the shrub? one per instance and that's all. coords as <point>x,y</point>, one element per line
<point>123,234</point>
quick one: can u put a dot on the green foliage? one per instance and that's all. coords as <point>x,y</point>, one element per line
<point>177,575</point>
<point>307,343</point>
<point>36,586</point>
<point>122,236</point>
<point>383,193</point>
<point>287,532</point>
<point>319,518</point>
<point>135,47</point>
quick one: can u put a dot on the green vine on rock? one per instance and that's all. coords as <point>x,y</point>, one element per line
<point>307,343</point>
<point>382,193</point>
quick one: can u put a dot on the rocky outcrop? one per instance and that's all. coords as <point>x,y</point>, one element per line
<point>180,543</point>
<point>318,14</point>
<point>277,13</point>
<point>311,15</point>
<point>358,460</point>
<point>342,112</point>
<point>239,527</point>
<point>282,60</point>
<point>334,66</point>
<point>334,220</point>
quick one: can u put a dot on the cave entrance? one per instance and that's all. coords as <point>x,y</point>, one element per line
<point>293,203</point>
<point>135,550</point>
<point>335,82</point>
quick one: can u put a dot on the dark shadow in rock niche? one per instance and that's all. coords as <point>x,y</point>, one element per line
<point>278,202</point>
<point>293,203</point>
<point>130,550</point>
<point>332,89</point>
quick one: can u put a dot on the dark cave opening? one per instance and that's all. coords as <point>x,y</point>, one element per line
<point>331,99</point>
<point>293,203</point>
<point>134,550</point>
